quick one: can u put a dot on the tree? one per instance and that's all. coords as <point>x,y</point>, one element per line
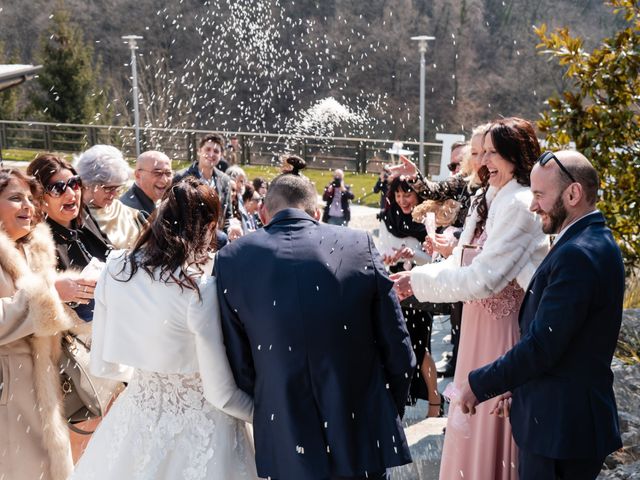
<point>600,114</point>
<point>69,88</point>
<point>9,97</point>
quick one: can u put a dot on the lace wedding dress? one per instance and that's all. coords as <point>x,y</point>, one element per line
<point>161,427</point>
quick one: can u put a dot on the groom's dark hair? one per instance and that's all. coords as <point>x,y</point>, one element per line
<point>291,191</point>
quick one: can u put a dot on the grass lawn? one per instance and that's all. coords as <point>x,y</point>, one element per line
<point>361,183</point>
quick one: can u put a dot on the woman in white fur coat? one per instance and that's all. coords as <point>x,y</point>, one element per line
<point>34,440</point>
<point>501,246</point>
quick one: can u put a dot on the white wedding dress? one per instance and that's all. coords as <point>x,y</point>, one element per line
<point>181,415</point>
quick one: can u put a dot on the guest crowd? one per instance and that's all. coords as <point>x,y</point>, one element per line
<point>533,330</point>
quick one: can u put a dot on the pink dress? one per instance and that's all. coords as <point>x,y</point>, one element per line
<point>481,447</point>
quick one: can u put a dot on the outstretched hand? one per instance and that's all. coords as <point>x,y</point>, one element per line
<point>402,284</point>
<point>406,169</point>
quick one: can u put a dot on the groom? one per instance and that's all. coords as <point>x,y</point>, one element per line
<point>321,345</point>
<point>563,411</point>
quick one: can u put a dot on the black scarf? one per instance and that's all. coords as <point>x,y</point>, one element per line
<point>401,224</point>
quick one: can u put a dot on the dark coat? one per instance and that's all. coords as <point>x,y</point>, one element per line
<point>76,246</point>
<point>346,197</point>
<point>321,345</point>
<point>136,198</point>
<point>221,181</point>
<point>560,371</point>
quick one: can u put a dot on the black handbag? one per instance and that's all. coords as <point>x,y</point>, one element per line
<point>85,396</point>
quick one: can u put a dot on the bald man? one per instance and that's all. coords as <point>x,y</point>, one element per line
<point>153,176</point>
<point>563,410</point>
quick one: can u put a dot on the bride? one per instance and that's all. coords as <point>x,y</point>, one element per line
<point>156,326</point>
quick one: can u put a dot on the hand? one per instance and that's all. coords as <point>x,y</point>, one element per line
<point>402,284</point>
<point>78,290</point>
<point>442,244</point>
<point>234,231</point>
<point>502,408</point>
<point>404,253</point>
<point>467,399</point>
<point>407,169</point>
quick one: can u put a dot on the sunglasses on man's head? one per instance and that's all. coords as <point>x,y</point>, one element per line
<point>56,189</point>
<point>546,157</point>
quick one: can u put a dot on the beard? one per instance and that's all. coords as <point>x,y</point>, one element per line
<point>556,216</point>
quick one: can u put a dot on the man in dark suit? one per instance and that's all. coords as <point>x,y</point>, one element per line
<point>322,346</point>
<point>563,410</point>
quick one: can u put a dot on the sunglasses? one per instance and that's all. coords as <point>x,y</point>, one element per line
<point>452,166</point>
<point>546,157</point>
<point>158,173</point>
<point>56,189</point>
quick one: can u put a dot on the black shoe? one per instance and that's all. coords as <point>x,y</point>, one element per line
<point>446,369</point>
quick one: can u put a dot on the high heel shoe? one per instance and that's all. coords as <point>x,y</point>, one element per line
<point>440,410</point>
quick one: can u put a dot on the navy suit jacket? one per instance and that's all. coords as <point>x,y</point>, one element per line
<point>560,371</point>
<point>315,333</point>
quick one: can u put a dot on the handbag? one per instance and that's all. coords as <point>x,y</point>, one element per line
<point>85,396</point>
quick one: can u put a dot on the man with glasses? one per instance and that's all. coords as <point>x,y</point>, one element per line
<point>153,176</point>
<point>562,409</point>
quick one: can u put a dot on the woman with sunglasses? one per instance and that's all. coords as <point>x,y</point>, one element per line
<point>104,174</point>
<point>500,247</point>
<point>76,233</point>
<point>77,239</point>
<point>34,438</point>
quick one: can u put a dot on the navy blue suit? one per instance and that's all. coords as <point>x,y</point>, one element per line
<point>560,371</point>
<point>315,333</point>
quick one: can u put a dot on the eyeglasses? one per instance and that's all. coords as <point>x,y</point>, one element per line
<point>452,166</point>
<point>112,189</point>
<point>546,157</point>
<point>159,173</point>
<point>56,189</point>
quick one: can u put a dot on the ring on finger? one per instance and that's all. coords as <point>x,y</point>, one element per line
<point>84,289</point>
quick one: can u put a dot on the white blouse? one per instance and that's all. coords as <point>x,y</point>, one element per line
<point>153,326</point>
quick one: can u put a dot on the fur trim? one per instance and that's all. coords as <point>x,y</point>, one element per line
<point>45,352</point>
<point>34,279</point>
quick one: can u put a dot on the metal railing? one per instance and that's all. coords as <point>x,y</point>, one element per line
<point>351,154</point>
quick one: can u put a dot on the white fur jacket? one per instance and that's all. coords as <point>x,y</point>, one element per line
<point>31,315</point>
<point>515,245</point>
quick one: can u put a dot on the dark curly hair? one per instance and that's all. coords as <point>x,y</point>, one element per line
<point>515,140</point>
<point>180,234</point>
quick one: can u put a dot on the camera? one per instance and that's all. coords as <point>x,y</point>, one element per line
<point>337,181</point>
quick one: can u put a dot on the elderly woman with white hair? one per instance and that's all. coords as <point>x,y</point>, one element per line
<point>104,173</point>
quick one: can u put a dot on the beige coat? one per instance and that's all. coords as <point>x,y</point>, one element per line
<point>34,439</point>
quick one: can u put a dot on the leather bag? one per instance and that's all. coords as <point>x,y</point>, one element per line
<point>85,396</point>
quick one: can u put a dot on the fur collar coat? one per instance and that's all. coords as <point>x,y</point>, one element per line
<point>514,247</point>
<point>35,438</point>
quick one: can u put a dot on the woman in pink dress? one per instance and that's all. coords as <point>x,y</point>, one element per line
<point>498,252</point>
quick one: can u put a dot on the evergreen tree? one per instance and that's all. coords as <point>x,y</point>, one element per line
<point>68,81</point>
<point>600,115</point>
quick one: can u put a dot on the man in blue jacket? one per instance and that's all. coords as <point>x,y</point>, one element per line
<point>322,345</point>
<point>563,410</point>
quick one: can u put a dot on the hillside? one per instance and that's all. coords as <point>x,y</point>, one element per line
<point>258,65</point>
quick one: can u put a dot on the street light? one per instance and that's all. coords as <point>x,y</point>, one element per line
<point>422,46</point>
<point>133,46</point>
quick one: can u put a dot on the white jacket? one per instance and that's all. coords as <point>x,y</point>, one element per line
<point>157,327</point>
<point>514,247</point>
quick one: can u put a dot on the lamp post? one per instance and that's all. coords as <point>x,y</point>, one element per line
<point>133,46</point>
<point>422,47</point>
